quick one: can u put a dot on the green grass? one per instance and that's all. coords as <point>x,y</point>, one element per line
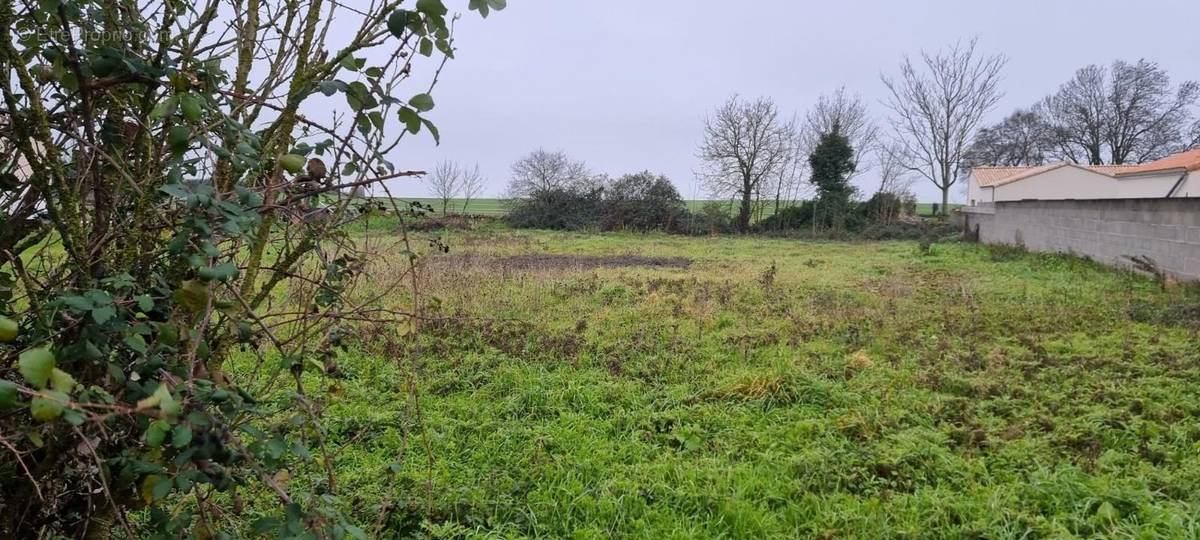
<point>776,389</point>
<point>495,207</point>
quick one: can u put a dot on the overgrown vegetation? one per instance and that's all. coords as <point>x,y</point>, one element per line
<point>775,388</point>
<point>637,202</point>
<point>176,279</point>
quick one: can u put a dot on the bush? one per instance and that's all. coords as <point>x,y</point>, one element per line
<point>638,202</point>
<point>167,364</point>
<point>713,218</point>
<point>888,207</point>
<point>642,202</point>
<point>800,218</point>
<point>788,219</point>
<point>557,208</point>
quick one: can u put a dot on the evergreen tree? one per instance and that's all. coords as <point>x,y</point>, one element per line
<point>832,162</point>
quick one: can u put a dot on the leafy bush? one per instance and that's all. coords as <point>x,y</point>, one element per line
<point>639,202</point>
<point>907,231</point>
<point>885,207</point>
<point>176,277</point>
<point>557,208</point>
<point>642,202</point>
<point>713,218</point>
<point>788,219</point>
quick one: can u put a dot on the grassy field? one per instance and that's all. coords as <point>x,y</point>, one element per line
<point>589,386</point>
<point>495,207</point>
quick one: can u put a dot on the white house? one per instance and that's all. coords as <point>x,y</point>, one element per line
<point>1174,176</point>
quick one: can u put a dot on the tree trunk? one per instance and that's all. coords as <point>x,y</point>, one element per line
<point>945,200</point>
<point>743,220</point>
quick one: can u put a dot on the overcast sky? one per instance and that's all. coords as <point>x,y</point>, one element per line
<point>625,84</point>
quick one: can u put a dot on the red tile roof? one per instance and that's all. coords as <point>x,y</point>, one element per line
<point>1183,161</point>
<point>995,176</point>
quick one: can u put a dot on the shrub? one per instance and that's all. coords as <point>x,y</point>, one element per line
<point>907,231</point>
<point>713,218</point>
<point>189,216</point>
<point>642,202</point>
<point>887,207</point>
<point>557,208</point>
<point>788,219</point>
<point>638,202</point>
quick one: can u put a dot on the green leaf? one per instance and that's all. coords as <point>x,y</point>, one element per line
<point>74,417</point>
<point>426,47</point>
<point>411,120</point>
<point>359,97</point>
<point>356,533</point>
<point>498,4</point>
<point>432,7</point>
<point>192,295</point>
<point>292,163</point>
<point>433,130</point>
<point>8,394</point>
<point>181,436</point>
<point>328,88</point>
<point>397,21</point>
<point>164,108</point>
<point>376,118</point>
<point>422,102</point>
<point>192,107</point>
<point>349,63</point>
<point>145,302</point>
<point>103,314</point>
<point>35,365</point>
<point>61,381</point>
<point>136,343</point>
<point>8,330</point>
<point>178,138</point>
<point>479,5</point>
<point>221,272</point>
<point>49,406</point>
<point>166,402</point>
<point>156,434</point>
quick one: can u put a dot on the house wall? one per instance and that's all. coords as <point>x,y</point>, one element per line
<point>977,195</point>
<point>1190,186</point>
<point>1078,183</point>
<point>1108,231</point>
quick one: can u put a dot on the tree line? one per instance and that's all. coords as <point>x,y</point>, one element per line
<point>1127,112</point>
<point>936,104</point>
<point>789,171</point>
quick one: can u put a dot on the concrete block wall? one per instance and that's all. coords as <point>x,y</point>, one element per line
<point>1110,231</point>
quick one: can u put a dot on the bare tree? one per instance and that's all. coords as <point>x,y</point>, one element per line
<point>745,144</point>
<point>894,177</point>
<point>1128,113</point>
<point>938,106</point>
<point>893,174</point>
<point>472,185</point>
<point>849,115</point>
<point>789,184</point>
<point>1023,138</point>
<point>542,170</point>
<point>445,183</point>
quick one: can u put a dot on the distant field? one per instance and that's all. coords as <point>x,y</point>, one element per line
<point>495,207</point>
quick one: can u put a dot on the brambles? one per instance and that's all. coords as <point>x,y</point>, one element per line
<point>177,271</point>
